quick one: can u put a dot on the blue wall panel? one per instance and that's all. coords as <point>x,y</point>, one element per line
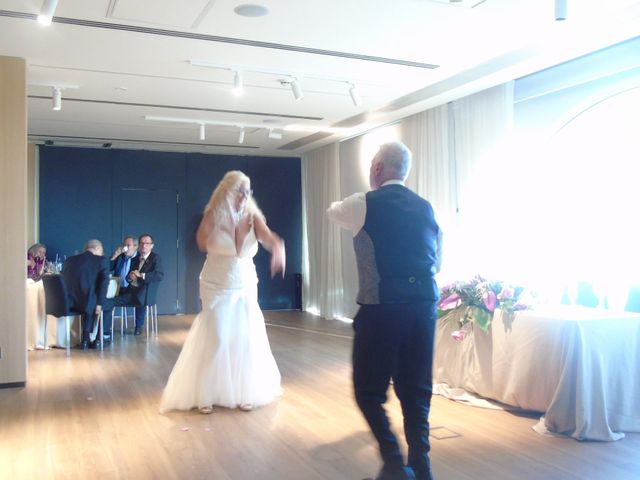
<point>277,190</point>
<point>75,199</point>
<point>81,197</point>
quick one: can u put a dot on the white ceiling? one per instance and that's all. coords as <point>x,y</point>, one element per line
<point>120,62</point>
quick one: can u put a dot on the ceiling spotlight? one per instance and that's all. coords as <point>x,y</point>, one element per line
<point>295,88</point>
<point>56,99</point>
<point>251,10</point>
<point>202,131</point>
<point>241,136</point>
<point>275,135</point>
<point>561,10</point>
<point>46,11</point>
<point>237,84</point>
<point>353,92</point>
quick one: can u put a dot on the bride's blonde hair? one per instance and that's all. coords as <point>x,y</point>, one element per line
<point>220,204</point>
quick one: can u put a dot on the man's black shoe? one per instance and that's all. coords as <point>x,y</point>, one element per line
<point>83,345</point>
<point>137,331</point>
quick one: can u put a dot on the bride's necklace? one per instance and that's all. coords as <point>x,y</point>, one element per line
<point>237,216</point>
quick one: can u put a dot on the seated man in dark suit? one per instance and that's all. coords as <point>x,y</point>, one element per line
<point>87,279</point>
<point>146,272</point>
<point>120,266</point>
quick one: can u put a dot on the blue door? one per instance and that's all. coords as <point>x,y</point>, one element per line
<point>156,212</point>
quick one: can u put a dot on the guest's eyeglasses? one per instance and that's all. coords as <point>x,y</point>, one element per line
<point>244,192</point>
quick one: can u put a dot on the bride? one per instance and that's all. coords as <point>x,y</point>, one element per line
<point>226,359</point>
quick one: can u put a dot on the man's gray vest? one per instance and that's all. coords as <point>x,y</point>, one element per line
<point>396,250</point>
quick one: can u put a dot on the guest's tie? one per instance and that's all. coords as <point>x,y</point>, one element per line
<point>124,270</point>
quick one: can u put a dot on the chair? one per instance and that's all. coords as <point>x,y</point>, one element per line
<point>123,317</point>
<point>57,304</point>
<point>151,308</point>
<point>112,291</point>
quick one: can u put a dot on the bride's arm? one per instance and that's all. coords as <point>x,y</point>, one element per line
<point>273,243</point>
<point>204,230</point>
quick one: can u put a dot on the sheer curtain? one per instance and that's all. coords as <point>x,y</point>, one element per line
<point>321,249</point>
<point>487,181</point>
<point>432,176</point>
<point>452,146</point>
<point>355,162</point>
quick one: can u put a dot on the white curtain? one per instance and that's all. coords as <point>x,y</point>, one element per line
<point>447,148</point>
<point>321,249</point>
<point>432,175</point>
<point>355,162</point>
<point>486,182</point>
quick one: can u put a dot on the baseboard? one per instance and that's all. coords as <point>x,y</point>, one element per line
<point>13,385</point>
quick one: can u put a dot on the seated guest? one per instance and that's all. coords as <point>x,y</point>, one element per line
<point>120,265</point>
<point>36,258</point>
<point>87,278</point>
<point>146,272</point>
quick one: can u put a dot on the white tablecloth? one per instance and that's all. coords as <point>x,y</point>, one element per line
<point>581,366</point>
<point>56,327</point>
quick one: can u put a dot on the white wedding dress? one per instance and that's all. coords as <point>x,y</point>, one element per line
<point>226,359</point>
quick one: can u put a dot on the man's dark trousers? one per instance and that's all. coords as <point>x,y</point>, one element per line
<point>395,341</point>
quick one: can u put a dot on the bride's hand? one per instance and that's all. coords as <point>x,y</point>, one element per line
<point>278,259</point>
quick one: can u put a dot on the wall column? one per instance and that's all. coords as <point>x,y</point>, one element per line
<point>13,215</point>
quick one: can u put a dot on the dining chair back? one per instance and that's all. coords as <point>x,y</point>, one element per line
<point>57,304</point>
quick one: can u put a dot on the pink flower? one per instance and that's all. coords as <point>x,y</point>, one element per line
<point>506,293</point>
<point>459,335</point>
<point>490,300</point>
<point>450,302</point>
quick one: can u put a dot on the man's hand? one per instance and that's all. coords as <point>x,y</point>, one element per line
<point>98,310</point>
<point>278,259</point>
<point>116,253</point>
<point>133,275</point>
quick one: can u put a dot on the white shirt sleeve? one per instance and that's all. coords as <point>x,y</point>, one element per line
<point>350,213</point>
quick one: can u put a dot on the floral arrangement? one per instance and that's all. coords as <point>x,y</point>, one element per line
<point>475,300</point>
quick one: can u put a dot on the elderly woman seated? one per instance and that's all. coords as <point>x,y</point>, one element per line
<point>36,260</point>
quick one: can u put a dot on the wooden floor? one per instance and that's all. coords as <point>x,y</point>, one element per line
<point>94,415</point>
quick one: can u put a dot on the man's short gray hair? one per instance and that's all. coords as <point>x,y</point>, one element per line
<point>395,157</point>
<point>93,243</point>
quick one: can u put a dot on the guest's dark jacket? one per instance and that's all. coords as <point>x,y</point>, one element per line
<point>87,279</point>
<point>153,273</point>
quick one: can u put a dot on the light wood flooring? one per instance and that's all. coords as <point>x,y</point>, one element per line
<point>94,415</point>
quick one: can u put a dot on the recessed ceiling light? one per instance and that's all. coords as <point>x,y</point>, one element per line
<point>251,10</point>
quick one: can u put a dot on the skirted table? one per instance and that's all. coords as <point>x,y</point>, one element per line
<point>578,365</point>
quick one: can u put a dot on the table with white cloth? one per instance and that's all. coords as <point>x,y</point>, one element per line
<point>578,365</point>
<point>36,315</point>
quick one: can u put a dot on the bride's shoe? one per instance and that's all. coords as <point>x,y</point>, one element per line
<point>205,410</point>
<point>245,407</point>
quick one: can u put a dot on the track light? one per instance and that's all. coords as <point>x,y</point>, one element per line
<point>241,136</point>
<point>561,10</point>
<point>56,99</point>
<point>46,12</point>
<point>238,88</point>
<point>202,131</point>
<point>275,135</point>
<point>296,89</point>
<point>353,92</point>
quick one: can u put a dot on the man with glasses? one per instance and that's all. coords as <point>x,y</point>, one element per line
<point>146,272</point>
